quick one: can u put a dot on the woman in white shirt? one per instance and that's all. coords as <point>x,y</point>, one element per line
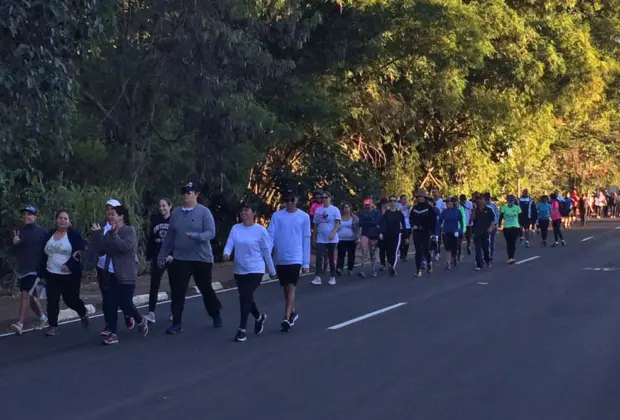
<point>348,236</point>
<point>252,247</point>
<point>62,271</point>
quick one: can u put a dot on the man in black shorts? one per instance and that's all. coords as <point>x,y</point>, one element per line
<point>28,244</point>
<point>290,235</point>
<point>528,207</point>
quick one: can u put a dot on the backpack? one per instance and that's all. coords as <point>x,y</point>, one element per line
<point>564,208</point>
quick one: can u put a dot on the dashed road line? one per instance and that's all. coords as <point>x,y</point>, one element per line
<point>528,259</point>
<point>587,239</point>
<point>366,316</point>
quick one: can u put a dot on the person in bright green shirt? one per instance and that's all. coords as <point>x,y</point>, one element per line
<point>510,215</point>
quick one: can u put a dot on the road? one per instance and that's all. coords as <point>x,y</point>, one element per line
<point>538,340</point>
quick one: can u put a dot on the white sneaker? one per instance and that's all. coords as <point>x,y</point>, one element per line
<point>42,324</point>
<point>17,328</point>
<point>151,317</point>
<point>332,281</point>
<point>316,281</point>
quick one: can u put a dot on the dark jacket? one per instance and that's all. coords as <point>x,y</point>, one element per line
<point>369,222</point>
<point>91,256</point>
<point>392,224</point>
<point>157,233</point>
<point>423,217</point>
<point>75,263</point>
<point>482,220</point>
<point>29,251</point>
<point>120,247</point>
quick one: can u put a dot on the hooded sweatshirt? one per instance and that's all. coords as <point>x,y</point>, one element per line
<point>159,229</point>
<point>393,224</point>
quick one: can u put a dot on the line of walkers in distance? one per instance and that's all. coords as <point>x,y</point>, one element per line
<point>179,241</point>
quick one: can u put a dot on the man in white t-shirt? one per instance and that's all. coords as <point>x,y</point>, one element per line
<point>290,233</point>
<point>326,223</point>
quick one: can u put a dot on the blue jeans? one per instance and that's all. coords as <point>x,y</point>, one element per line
<point>119,296</point>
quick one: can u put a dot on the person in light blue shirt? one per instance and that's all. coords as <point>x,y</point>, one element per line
<point>493,235</point>
<point>543,209</point>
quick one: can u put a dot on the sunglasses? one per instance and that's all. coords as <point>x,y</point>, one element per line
<point>289,200</point>
<point>324,197</point>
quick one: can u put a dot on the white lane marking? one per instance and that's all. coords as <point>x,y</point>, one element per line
<point>528,259</point>
<point>601,269</point>
<point>71,321</point>
<point>587,239</point>
<point>363,317</point>
<point>618,228</point>
<point>483,283</point>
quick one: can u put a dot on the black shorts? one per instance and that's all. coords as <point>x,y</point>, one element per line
<point>451,242</point>
<point>524,221</point>
<point>288,274</point>
<point>28,283</point>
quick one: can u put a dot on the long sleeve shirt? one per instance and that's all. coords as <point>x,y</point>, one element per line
<point>252,247</point>
<point>423,218</point>
<point>393,224</point>
<point>450,221</point>
<point>290,237</point>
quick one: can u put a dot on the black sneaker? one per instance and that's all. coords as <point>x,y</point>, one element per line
<point>339,272</point>
<point>285,325</point>
<point>241,336</point>
<point>259,324</point>
<point>392,271</point>
<point>418,273</point>
<point>382,268</point>
<point>430,268</point>
<point>294,316</point>
<point>217,320</point>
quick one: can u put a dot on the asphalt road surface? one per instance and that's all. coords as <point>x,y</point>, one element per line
<point>538,340</point>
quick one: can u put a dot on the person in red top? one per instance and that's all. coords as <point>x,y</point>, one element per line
<point>556,220</point>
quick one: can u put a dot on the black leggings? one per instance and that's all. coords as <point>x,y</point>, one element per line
<point>544,229</point>
<point>346,247</point>
<point>157,273</point>
<point>557,230</point>
<point>69,288</point>
<point>247,285</point>
<point>180,272</point>
<point>390,244</point>
<point>422,243</point>
<point>511,235</point>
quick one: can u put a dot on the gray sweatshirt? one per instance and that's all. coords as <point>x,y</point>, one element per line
<point>119,248</point>
<point>29,250</point>
<point>189,235</point>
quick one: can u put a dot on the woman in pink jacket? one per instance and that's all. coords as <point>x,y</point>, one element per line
<point>556,220</point>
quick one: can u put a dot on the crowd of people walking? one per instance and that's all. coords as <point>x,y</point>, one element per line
<point>179,242</point>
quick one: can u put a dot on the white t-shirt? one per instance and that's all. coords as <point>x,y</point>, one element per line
<point>290,236</point>
<point>325,218</point>
<point>468,207</point>
<point>406,210</point>
<point>58,253</point>
<point>441,206</point>
<point>101,260</point>
<point>252,247</point>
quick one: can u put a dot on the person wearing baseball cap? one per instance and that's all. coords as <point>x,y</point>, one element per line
<point>28,244</point>
<point>190,232</point>
<point>290,233</point>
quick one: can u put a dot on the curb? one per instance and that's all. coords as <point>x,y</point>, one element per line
<point>140,300</point>
<point>216,286</point>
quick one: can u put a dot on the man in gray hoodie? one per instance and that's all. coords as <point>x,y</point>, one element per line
<point>28,244</point>
<point>190,232</point>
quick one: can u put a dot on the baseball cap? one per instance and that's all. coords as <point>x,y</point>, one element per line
<point>189,187</point>
<point>29,209</point>
<point>112,202</point>
<point>367,201</point>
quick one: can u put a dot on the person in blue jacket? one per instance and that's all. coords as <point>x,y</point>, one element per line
<point>369,221</point>
<point>450,224</point>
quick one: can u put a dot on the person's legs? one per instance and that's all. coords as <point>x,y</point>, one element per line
<point>53,298</point>
<point>381,245</point>
<point>468,237</point>
<point>544,230</point>
<point>202,272</point>
<point>372,253</point>
<point>342,247</point>
<point>478,244</point>
<point>179,273</point>
<point>556,229</point>
<point>112,303</point>
<point>157,273</point>
<point>486,248</point>
<point>352,246</point>
<point>492,243</point>
<point>419,250</point>
<point>288,276</point>
<point>364,244</point>
<point>71,295</point>
<point>247,285</point>
<point>331,259</point>
<point>321,249</point>
<point>125,295</point>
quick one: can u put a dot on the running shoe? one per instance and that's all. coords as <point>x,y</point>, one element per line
<point>105,332</point>
<point>294,316</point>
<point>285,325</point>
<point>151,317</point>
<point>130,323</point>
<point>42,324</point>
<point>17,328</point>
<point>511,261</point>
<point>430,268</point>
<point>563,242</point>
<point>174,329</point>
<point>448,266</point>
<point>544,244</point>
<point>349,272</point>
<point>361,274</point>
<point>382,268</point>
<point>51,331</point>
<point>241,336</point>
<point>143,327</point>
<point>339,272</point>
<point>217,320</point>
<point>468,250</point>
<point>418,273</point>
<point>374,274</point>
<point>110,339</point>
<point>555,244</point>
<point>392,272</point>
<point>332,281</point>
<point>527,244</point>
<point>259,324</point>
<point>478,268</point>
<point>171,317</point>
<point>85,321</point>
<point>316,281</point>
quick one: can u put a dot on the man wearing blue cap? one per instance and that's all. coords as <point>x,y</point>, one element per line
<point>28,244</point>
